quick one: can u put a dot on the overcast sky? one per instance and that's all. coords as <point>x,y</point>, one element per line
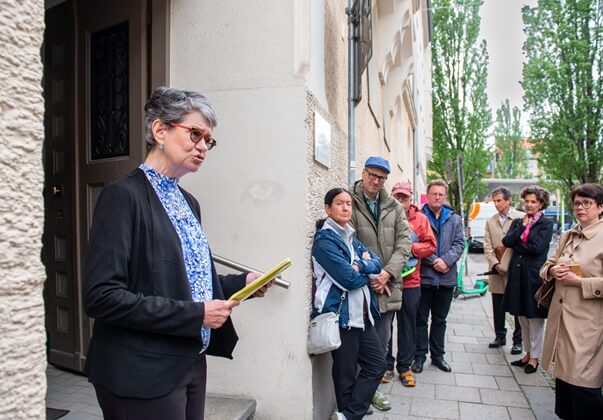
<point>502,28</point>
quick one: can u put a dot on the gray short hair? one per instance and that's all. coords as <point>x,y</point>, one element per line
<point>504,191</point>
<point>541,194</point>
<point>172,105</point>
<point>439,183</point>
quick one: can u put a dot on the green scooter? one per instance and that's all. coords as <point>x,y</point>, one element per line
<point>480,286</point>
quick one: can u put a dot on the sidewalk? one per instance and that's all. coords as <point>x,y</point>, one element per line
<point>482,384</point>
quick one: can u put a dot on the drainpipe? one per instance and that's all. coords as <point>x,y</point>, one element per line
<point>351,99</point>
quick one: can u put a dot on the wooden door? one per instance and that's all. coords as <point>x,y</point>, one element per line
<point>112,87</point>
<point>58,254</point>
<point>96,79</point>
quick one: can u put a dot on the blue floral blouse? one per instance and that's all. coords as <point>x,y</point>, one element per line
<point>195,248</point>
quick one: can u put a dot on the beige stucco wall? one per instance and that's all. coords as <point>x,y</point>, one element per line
<point>22,335</point>
<point>267,70</point>
<point>252,187</point>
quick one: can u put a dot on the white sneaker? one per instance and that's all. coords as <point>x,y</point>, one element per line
<point>338,416</point>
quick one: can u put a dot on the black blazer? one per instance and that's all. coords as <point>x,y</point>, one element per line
<point>524,268</point>
<point>147,328</point>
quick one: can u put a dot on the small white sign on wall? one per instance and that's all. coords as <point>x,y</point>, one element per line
<point>322,140</point>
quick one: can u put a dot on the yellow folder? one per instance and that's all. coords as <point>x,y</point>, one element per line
<point>257,284</point>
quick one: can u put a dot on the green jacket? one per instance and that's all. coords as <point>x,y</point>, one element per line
<point>389,239</point>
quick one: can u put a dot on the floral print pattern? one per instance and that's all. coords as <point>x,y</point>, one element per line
<point>195,248</point>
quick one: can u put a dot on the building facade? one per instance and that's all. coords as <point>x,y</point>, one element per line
<point>276,72</point>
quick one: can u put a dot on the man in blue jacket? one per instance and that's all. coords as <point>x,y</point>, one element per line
<point>438,277</point>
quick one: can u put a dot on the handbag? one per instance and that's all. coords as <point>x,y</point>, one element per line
<point>544,294</point>
<point>505,260</point>
<point>323,334</point>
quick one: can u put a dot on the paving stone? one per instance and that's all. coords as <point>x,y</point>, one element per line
<point>487,369</point>
<point>468,320</point>
<point>80,416</point>
<point>542,401</point>
<point>422,389</point>
<point>496,359</point>
<point>506,383</point>
<point>471,411</point>
<point>455,347</point>
<point>533,379</point>
<point>506,398</point>
<point>461,339</point>
<point>432,376</point>
<point>461,367</point>
<point>458,326</point>
<point>480,348</point>
<point>477,381</point>
<point>457,393</point>
<point>400,405</point>
<point>457,356</point>
<point>521,413</point>
<point>386,388</point>
<point>433,408</point>
<point>469,333</point>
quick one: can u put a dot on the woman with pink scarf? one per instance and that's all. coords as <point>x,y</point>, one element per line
<point>529,237</point>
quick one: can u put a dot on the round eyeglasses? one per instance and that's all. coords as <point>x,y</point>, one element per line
<point>586,204</point>
<point>197,135</point>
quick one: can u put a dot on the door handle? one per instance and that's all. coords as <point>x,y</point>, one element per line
<point>57,190</point>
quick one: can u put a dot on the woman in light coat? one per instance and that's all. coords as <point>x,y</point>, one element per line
<point>573,347</point>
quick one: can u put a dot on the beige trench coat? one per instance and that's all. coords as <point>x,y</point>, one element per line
<point>493,234</point>
<point>573,341</point>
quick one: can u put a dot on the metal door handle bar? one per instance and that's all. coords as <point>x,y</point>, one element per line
<point>243,268</point>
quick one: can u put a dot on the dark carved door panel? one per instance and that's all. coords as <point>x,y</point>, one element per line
<point>113,87</point>
<point>96,78</point>
<point>59,224</point>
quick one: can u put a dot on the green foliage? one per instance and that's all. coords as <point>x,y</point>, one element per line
<point>564,88</point>
<point>461,115</point>
<point>513,161</point>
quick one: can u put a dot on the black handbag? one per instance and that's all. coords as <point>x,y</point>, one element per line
<point>544,294</point>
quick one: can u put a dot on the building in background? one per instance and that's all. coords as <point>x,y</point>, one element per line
<point>276,72</point>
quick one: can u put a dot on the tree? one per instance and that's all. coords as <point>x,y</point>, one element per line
<point>563,87</point>
<point>461,115</point>
<point>513,162</point>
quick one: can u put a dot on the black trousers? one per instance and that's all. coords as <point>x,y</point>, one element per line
<point>576,402</point>
<point>185,402</point>
<point>354,389</point>
<point>434,300</point>
<point>407,332</point>
<point>499,320</point>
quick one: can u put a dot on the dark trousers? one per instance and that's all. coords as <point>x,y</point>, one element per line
<point>499,320</point>
<point>354,389</point>
<point>434,300</point>
<point>576,402</point>
<point>185,402</point>
<point>407,332</point>
<point>383,327</point>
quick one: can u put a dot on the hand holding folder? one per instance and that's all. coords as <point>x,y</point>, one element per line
<point>260,282</point>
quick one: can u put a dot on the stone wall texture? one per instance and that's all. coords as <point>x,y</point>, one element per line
<point>22,334</point>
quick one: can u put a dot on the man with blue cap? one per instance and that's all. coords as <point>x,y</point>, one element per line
<point>380,224</point>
